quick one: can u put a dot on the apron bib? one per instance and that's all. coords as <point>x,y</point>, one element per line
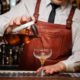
<point>54,36</point>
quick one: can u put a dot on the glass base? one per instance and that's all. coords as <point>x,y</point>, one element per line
<point>41,73</point>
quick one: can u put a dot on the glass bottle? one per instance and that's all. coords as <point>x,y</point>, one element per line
<point>10,57</point>
<point>5,6</point>
<point>0,55</point>
<point>16,56</point>
<point>3,54</point>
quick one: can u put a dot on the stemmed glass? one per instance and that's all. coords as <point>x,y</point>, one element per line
<point>42,55</point>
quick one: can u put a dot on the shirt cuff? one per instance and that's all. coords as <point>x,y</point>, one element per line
<point>69,65</point>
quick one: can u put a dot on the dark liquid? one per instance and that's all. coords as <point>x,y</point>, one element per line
<point>42,42</point>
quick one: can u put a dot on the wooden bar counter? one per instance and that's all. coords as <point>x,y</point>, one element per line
<point>39,78</point>
<point>29,75</point>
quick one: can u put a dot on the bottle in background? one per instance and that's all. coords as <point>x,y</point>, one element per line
<point>4,6</point>
<point>0,7</point>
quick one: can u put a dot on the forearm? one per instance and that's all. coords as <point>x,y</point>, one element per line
<point>74,60</point>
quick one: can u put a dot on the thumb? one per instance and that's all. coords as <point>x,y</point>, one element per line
<point>33,18</point>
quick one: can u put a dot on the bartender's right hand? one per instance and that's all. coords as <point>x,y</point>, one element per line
<point>16,22</point>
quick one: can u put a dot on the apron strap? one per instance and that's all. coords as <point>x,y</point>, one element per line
<point>69,20</point>
<point>36,12</point>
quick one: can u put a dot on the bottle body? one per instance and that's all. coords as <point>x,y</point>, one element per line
<point>23,36</point>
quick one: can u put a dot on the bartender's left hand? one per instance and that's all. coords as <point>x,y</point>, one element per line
<point>50,69</point>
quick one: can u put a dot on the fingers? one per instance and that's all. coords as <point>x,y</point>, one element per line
<point>49,69</point>
<point>16,22</point>
<point>53,68</point>
<point>33,18</point>
<point>25,19</point>
<point>39,70</point>
<point>19,21</point>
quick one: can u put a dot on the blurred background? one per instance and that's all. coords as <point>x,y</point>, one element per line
<point>6,5</point>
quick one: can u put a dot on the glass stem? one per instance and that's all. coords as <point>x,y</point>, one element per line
<point>42,71</point>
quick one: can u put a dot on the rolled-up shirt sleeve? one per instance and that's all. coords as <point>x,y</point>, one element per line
<point>74,60</point>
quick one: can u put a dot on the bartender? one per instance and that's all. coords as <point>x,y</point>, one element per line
<point>24,11</point>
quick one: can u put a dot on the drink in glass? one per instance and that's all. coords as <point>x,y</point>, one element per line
<point>42,55</point>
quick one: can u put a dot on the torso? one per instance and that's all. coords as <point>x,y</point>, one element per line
<point>58,37</point>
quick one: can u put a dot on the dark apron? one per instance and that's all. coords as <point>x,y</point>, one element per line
<point>54,36</point>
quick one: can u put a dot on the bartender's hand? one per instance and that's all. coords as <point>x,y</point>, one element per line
<point>50,69</point>
<point>16,22</point>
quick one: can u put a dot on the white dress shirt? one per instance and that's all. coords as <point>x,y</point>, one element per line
<point>26,7</point>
